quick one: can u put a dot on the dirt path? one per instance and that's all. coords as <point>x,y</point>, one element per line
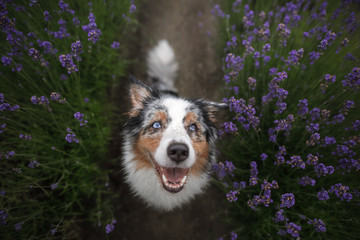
<point>178,22</point>
<point>189,27</point>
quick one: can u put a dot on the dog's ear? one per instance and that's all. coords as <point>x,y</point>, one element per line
<point>139,92</point>
<point>212,108</point>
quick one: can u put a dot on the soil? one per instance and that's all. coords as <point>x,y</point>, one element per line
<point>190,29</point>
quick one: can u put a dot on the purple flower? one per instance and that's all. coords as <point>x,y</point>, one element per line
<point>287,200</point>
<point>319,225</point>
<point>71,137</point>
<point>67,62</point>
<point>92,30</point>
<point>315,114</point>
<point>47,16</point>
<point>323,195</point>
<point>3,216</point>
<point>352,80</point>
<point>323,44</point>
<point>253,174</point>
<point>272,71</point>
<point>55,96</point>
<point>256,54</point>
<point>280,155</point>
<point>350,57</point>
<point>233,62</point>
<point>110,227</point>
<point>233,236</point>
<point>256,200</point>
<point>62,32</point>
<point>53,231</point>
<point>267,186</point>
<point>18,226</point>
<point>229,127</point>
<point>115,45</point>
<point>25,136</point>
<point>239,185</point>
<point>330,78</point>
<point>294,57</point>
<point>222,170</point>
<point>6,60</point>
<point>303,108</point>
<point>76,21</point>
<point>322,170</point>
<point>76,48</point>
<point>263,156</point>
<point>34,100</point>
<point>245,113</point>
<point>266,48</point>
<point>34,164</point>
<point>284,33</point>
<point>33,2</point>
<point>132,8</point>
<point>48,47</point>
<point>329,141</point>
<point>2,127</point>
<point>34,53</point>
<point>293,229</point>
<point>314,56</point>
<point>9,154</point>
<point>63,6</point>
<point>266,59</point>
<point>279,217</point>
<point>314,138</point>
<point>218,12</point>
<point>18,67</point>
<point>231,196</point>
<point>304,181</point>
<point>53,186</point>
<point>312,127</point>
<point>341,192</point>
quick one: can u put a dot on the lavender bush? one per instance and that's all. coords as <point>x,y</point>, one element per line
<point>292,75</point>
<point>57,60</point>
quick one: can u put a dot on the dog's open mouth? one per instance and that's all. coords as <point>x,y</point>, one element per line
<point>173,179</point>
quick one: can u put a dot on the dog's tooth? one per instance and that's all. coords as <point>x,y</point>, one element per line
<point>164,179</point>
<point>182,181</point>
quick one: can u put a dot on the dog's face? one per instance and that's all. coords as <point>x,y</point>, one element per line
<point>169,145</point>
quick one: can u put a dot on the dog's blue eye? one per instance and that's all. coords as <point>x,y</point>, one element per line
<point>193,127</point>
<point>156,125</point>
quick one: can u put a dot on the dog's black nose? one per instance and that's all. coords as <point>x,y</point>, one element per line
<point>178,152</point>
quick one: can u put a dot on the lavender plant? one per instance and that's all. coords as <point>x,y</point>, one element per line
<point>57,60</point>
<point>292,76</point>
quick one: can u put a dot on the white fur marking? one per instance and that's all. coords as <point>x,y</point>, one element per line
<point>162,65</point>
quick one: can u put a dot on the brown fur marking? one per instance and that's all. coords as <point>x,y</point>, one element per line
<point>147,144</point>
<point>200,145</point>
<point>202,155</point>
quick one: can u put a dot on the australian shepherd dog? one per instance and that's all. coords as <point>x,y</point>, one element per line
<point>169,141</point>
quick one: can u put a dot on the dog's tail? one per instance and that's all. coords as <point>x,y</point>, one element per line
<point>162,66</point>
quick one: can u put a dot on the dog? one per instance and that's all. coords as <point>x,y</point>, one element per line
<point>169,141</point>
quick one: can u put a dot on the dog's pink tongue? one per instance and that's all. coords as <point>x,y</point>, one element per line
<point>174,175</point>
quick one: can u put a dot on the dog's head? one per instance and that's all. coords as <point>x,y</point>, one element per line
<point>171,137</point>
